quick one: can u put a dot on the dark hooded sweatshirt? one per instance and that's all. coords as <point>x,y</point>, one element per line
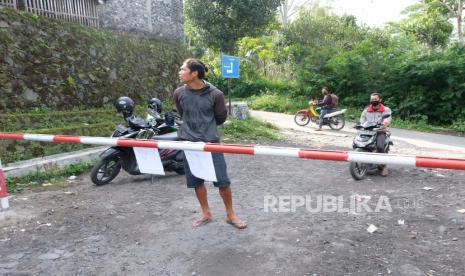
<point>201,110</point>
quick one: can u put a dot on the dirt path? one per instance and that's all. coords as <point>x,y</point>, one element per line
<point>135,227</point>
<point>406,142</point>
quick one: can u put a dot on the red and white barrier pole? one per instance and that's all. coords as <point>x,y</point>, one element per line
<point>3,193</point>
<point>349,156</point>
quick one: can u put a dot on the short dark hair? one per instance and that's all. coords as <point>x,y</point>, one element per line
<point>376,93</point>
<point>197,65</point>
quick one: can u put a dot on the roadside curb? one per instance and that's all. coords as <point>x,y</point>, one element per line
<point>50,162</point>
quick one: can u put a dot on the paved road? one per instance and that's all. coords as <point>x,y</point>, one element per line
<point>420,139</point>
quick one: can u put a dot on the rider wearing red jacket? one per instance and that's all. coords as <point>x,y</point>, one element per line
<point>373,113</point>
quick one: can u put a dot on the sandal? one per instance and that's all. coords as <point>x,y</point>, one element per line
<point>201,222</point>
<point>239,224</point>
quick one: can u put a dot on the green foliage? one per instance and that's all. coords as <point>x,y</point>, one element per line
<point>419,73</point>
<point>313,39</point>
<point>277,103</point>
<point>15,184</point>
<point>459,125</point>
<point>60,65</point>
<point>220,24</point>
<point>92,122</point>
<point>245,88</point>
<point>428,23</point>
<point>263,57</point>
<point>431,85</point>
<point>250,129</point>
<point>99,122</point>
<point>71,81</point>
<point>16,122</point>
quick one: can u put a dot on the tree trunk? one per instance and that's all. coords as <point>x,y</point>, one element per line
<point>459,21</point>
<point>284,12</point>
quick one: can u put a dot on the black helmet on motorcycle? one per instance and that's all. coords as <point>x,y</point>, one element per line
<point>155,104</point>
<point>169,119</point>
<point>125,105</point>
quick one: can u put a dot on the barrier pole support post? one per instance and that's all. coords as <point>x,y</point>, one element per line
<point>3,192</point>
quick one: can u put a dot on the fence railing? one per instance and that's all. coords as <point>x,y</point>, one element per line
<point>9,3</point>
<point>77,11</point>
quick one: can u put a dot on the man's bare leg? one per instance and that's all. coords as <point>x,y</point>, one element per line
<point>226,194</point>
<point>201,193</point>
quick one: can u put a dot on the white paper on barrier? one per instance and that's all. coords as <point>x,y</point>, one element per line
<point>148,160</point>
<point>201,164</point>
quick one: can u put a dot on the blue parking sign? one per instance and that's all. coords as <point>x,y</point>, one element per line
<point>230,66</point>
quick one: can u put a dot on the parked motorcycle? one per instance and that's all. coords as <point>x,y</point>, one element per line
<point>365,141</point>
<point>335,119</point>
<point>114,158</point>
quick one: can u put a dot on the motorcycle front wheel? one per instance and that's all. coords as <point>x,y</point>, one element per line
<point>358,170</point>
<point>105,170</point>
<point>179,159</point>
<point>337,122</point>
<point>301,119</point>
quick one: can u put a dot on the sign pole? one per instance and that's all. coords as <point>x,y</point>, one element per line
<point>230,69</point>
<point>229,94</point>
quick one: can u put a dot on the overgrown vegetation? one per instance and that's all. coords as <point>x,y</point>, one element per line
<point>250,129</point>
<point>37,179</point>
<point>56,65</point>
<point>417,65</point>
<point>99,122</point>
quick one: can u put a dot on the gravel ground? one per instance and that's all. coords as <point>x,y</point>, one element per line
<point>135,227</point>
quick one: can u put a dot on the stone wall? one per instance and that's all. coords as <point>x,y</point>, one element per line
<point>156,18</point>
<point>56,65</point>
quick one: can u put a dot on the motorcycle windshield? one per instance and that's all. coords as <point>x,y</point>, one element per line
<point>138,123</point>
<point>369,125</point>
<point>173,136</point>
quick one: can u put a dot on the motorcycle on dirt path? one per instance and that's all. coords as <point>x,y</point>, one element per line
<point>334,119</point>
<point>365,141</point>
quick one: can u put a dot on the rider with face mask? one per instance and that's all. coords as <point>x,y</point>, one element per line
<point>373,113</point>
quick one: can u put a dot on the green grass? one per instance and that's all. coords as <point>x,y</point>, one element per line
<point>15,184</point>
<point>250,129</point>
<point>425,127</point>
<point>277,103</point>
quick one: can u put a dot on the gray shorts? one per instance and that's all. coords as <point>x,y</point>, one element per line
<point>220,169</point>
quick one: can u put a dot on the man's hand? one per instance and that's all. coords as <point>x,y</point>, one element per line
<point>385,124</point>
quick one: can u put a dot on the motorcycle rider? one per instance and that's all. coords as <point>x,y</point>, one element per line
<point>373,113</point>
<point>325,105</point>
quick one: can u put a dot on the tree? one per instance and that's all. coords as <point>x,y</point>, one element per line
<point>455,10</point>
<point>288,8</point>
<point>427,21</point>
<point>316,36</point>
<point>221,23</point>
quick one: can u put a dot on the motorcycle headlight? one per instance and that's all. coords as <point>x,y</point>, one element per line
<point>363,138</point>
<point>360,144</point>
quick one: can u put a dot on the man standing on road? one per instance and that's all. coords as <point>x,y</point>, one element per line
<point>373,113</point>
<point>203,108</point>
